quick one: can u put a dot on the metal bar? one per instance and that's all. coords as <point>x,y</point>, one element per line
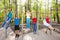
<point>16,11</point>
<point>45,8</point>
<point>48,7</point>
<point>5,19</point>
<point>9,3</point>
<point>4,10</point>
<point>54,9</point>
<point>22,25</point>
<point>50,19</point>
<point>50,16</point>
<point>37,12</point>
<point>28,5</point>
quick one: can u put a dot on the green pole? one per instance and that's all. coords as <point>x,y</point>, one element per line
<point>37,13</point>
<point>4,10</point>
<point>5,19</point>
<point>10,4</point>
<point>16,11</point>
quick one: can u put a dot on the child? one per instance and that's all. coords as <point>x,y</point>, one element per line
<point>16,23</point>
<point>46,22</point>
<point>28,19</point>
<point>8,19</point>
<point>34,21</point>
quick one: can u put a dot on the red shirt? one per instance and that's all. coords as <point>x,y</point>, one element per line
<point>34,20</point>
<point>47,20</point>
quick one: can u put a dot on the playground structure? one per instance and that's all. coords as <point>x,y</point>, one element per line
<point>22,6</point>
<point>27,8</point>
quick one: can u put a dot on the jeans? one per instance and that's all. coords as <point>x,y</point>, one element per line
<point>7,19</point>
<point>34,27</point>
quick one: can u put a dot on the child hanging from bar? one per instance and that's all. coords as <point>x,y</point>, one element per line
<point>16,24</point>
<point>46,22</point>
<point>8,18</point>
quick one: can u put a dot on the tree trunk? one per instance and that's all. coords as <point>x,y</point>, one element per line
<point>54,17</point>
<point>57,11</point>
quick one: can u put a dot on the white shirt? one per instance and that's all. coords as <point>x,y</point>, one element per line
<point>45,23</point>
<point>28,15</point>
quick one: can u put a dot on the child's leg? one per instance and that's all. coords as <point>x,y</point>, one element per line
<point>29,22</point>
<point>26,23</point>
<point>34,28</point>
<point>51,28</point>
<point>54,29</point>
<point>4,22</point>
<point>8,23</point>
<point>17,33</point>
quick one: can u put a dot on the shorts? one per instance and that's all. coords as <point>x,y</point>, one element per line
<point>16,27</point>
<point>46,24</point>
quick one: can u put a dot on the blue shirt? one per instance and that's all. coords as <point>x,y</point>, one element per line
<point>16,21</point>
<point>10,15</point>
